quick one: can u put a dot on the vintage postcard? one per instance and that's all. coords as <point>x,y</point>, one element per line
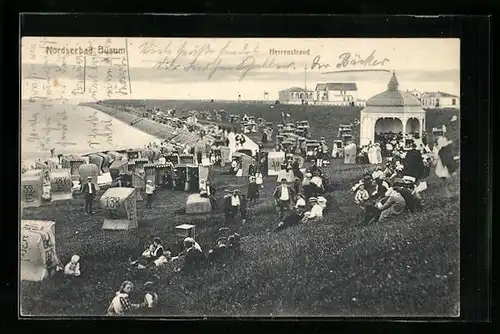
<point>240,177</point>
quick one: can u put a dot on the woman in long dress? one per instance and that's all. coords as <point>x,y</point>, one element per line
<point>440,169</point>
<point>378,153</point>
<point>445,165</point>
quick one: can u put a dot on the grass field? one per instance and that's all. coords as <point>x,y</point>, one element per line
<point>406,267</point>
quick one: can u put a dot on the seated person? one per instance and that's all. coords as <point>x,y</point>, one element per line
<point>393,206</point>
<point>293,218</point>
<point>381,188</point>
<point>192,255</point>
<point>150,295</point>
<point>165,259</point>
<point>121,303</point>
<point>361,196</point>
<point>317,183</point>
<point>378,173</point>
<point>234,242</point>
<point>219,251</point>
<point>306,185</point>
<point>370,214</point>
<point>300,202</point>
<point>388,172</point>
<point>322,203</point>
<point>316,212</point>
<point>412,199</point>
<point>73,267</point>
<point>150,255</point>
<point>362,199</point>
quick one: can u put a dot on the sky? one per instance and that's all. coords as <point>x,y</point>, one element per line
<point>223,69</point>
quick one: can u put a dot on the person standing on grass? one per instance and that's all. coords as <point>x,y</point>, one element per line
<point>227,207</point>
<point>150,189</point>
<point>211,194</point>
<point>121,303</point>
<point>238,204</point>
<point>284,194</point>
<point>253,190</point>
<point>88,190</point>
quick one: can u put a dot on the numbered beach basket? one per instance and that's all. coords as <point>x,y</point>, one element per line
<point>60,185</point>
<point>31,191</point>
<point>73,163</point>
<point>119,206</point>
<point>39,259</point>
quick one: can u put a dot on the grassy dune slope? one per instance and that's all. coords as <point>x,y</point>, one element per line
<point>405,267</point>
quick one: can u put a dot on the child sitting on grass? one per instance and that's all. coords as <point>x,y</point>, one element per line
<point>234,242</point>
<point>73,267</point>
<point>121,303</point>
<point>150,296</point>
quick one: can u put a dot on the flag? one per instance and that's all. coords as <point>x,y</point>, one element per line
<point>454,118</point>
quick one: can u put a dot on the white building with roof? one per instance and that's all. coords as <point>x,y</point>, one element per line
<point>440,100</point>
<point>296,95</point>
<point>392,111</point>
<point>336,93</point>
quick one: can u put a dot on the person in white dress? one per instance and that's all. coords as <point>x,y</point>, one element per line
<point>440,169</point>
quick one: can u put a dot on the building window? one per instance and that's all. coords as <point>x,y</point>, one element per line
<point>454,102</point>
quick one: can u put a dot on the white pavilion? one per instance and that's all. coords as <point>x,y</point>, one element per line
<point>391,111</point>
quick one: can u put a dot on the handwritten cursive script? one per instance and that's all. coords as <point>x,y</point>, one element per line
<point>348,60</point>
<point>227,58</point>
<point>100,130</point>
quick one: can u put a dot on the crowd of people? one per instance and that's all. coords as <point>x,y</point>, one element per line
<point>382,194</point>
<point>387,192</point>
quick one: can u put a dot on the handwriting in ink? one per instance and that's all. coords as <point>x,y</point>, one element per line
<point>100,129</point>
<point>348,59</point>
<point>249,63</point>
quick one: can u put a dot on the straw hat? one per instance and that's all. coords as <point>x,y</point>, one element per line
<point>313,200</point>
<point>148,285</point>
<point>89,177</point>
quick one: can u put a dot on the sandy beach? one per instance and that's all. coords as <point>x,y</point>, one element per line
<point>74,129</point>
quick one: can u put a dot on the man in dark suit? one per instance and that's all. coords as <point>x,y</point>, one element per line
<point>89,190</point>
<point>284,196</point>
<point>414,163</point>
<point>211,193</point>
<point>253,168</point>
